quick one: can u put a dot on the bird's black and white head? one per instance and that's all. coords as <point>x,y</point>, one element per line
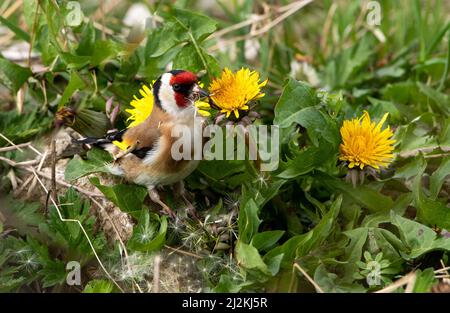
<point>176,91</point>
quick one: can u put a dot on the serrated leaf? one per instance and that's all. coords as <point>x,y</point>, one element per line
<point>307,160</point>
<point>200,25</point>
<point>12,75</point>
<point>295,97</point>
<point>22,216</point>
<point>129,198</point>
<point>97,161</point>
<point>105,50</point>
<point>189,59</point>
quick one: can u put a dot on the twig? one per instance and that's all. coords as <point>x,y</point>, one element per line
<point>12,178</point>
<point>251,21</point>
<point>295,7</point>
<point>11,143</point>
<point>398,283</point>
<point>316,286</point>
<point>82,229</point>
<point>62,183</point>
<point>12,9</point>
<point>18,164</point>
<point>53,186</point>
<point>22,187</point>
<point>26,166</point>
<point>33,33</point>
<point>327,28</point>
<point>34,181</point>
<point>156,269</point>
<point>445,269</point>
<point>442,276</point>
<point>18,147</point>
<point>411,283</point>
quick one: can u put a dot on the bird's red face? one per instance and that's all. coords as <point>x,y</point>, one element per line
<point>183,84</point>
<point>177,90</point>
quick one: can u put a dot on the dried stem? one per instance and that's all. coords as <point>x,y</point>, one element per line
<point>405,280</point>
<point>316,286</point>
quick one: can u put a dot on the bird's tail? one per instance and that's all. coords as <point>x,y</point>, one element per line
<point>111,136</point>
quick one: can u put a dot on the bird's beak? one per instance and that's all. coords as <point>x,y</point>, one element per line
<point>200,92</point>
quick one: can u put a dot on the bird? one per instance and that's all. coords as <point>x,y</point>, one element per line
<point>147,159</point>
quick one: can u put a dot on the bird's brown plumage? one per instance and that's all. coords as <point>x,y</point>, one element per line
<point>154,133</point>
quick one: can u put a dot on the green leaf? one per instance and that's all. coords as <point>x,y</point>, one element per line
<point>150,233</point>
<point>318,125</point>
<point>321,232</point>
<point>86,46</point>
<point>248,221</point>
<point>129,198</point>
<point>97,161</point>
<point>54,273</point>
<point>295,97</point>
<point>429,210</point>
<point>363,195</point>
<point>15,29</point>
<point>441,101</point>
<point>424,280</point>
<point>22,127</point>
<point>346,69</point>
<point>301,245</point>
<point>439,176</point>
<point>307,160</point>
<point>12,75</point>
<point>227,284</point>
<point>266,240</point>
<point>163,39</point>
<point>330,282</point>
<point>189,59</point>
<point>68,234</point>
<point>178,28</point>
<point>99,286</point>
<point>200,25</point>
<point>105,50</point>
<point>353,251</point>
<point>248,257</point>
<point>22,216</point>
<point>418,238</point>
<point>75,83</point>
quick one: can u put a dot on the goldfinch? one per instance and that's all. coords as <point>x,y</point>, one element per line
<point>142,153</point>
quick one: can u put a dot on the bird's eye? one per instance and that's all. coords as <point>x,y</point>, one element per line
<point>176,87</point>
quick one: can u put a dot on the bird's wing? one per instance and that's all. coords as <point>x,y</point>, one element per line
<point>144,136</point>
<point>139,139</point>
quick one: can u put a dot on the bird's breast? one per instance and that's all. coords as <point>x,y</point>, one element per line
<point>160,166</point>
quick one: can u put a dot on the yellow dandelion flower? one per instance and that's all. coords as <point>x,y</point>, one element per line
<point>365,144</point>
<point>232,92</point>
<point>142,108</point>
